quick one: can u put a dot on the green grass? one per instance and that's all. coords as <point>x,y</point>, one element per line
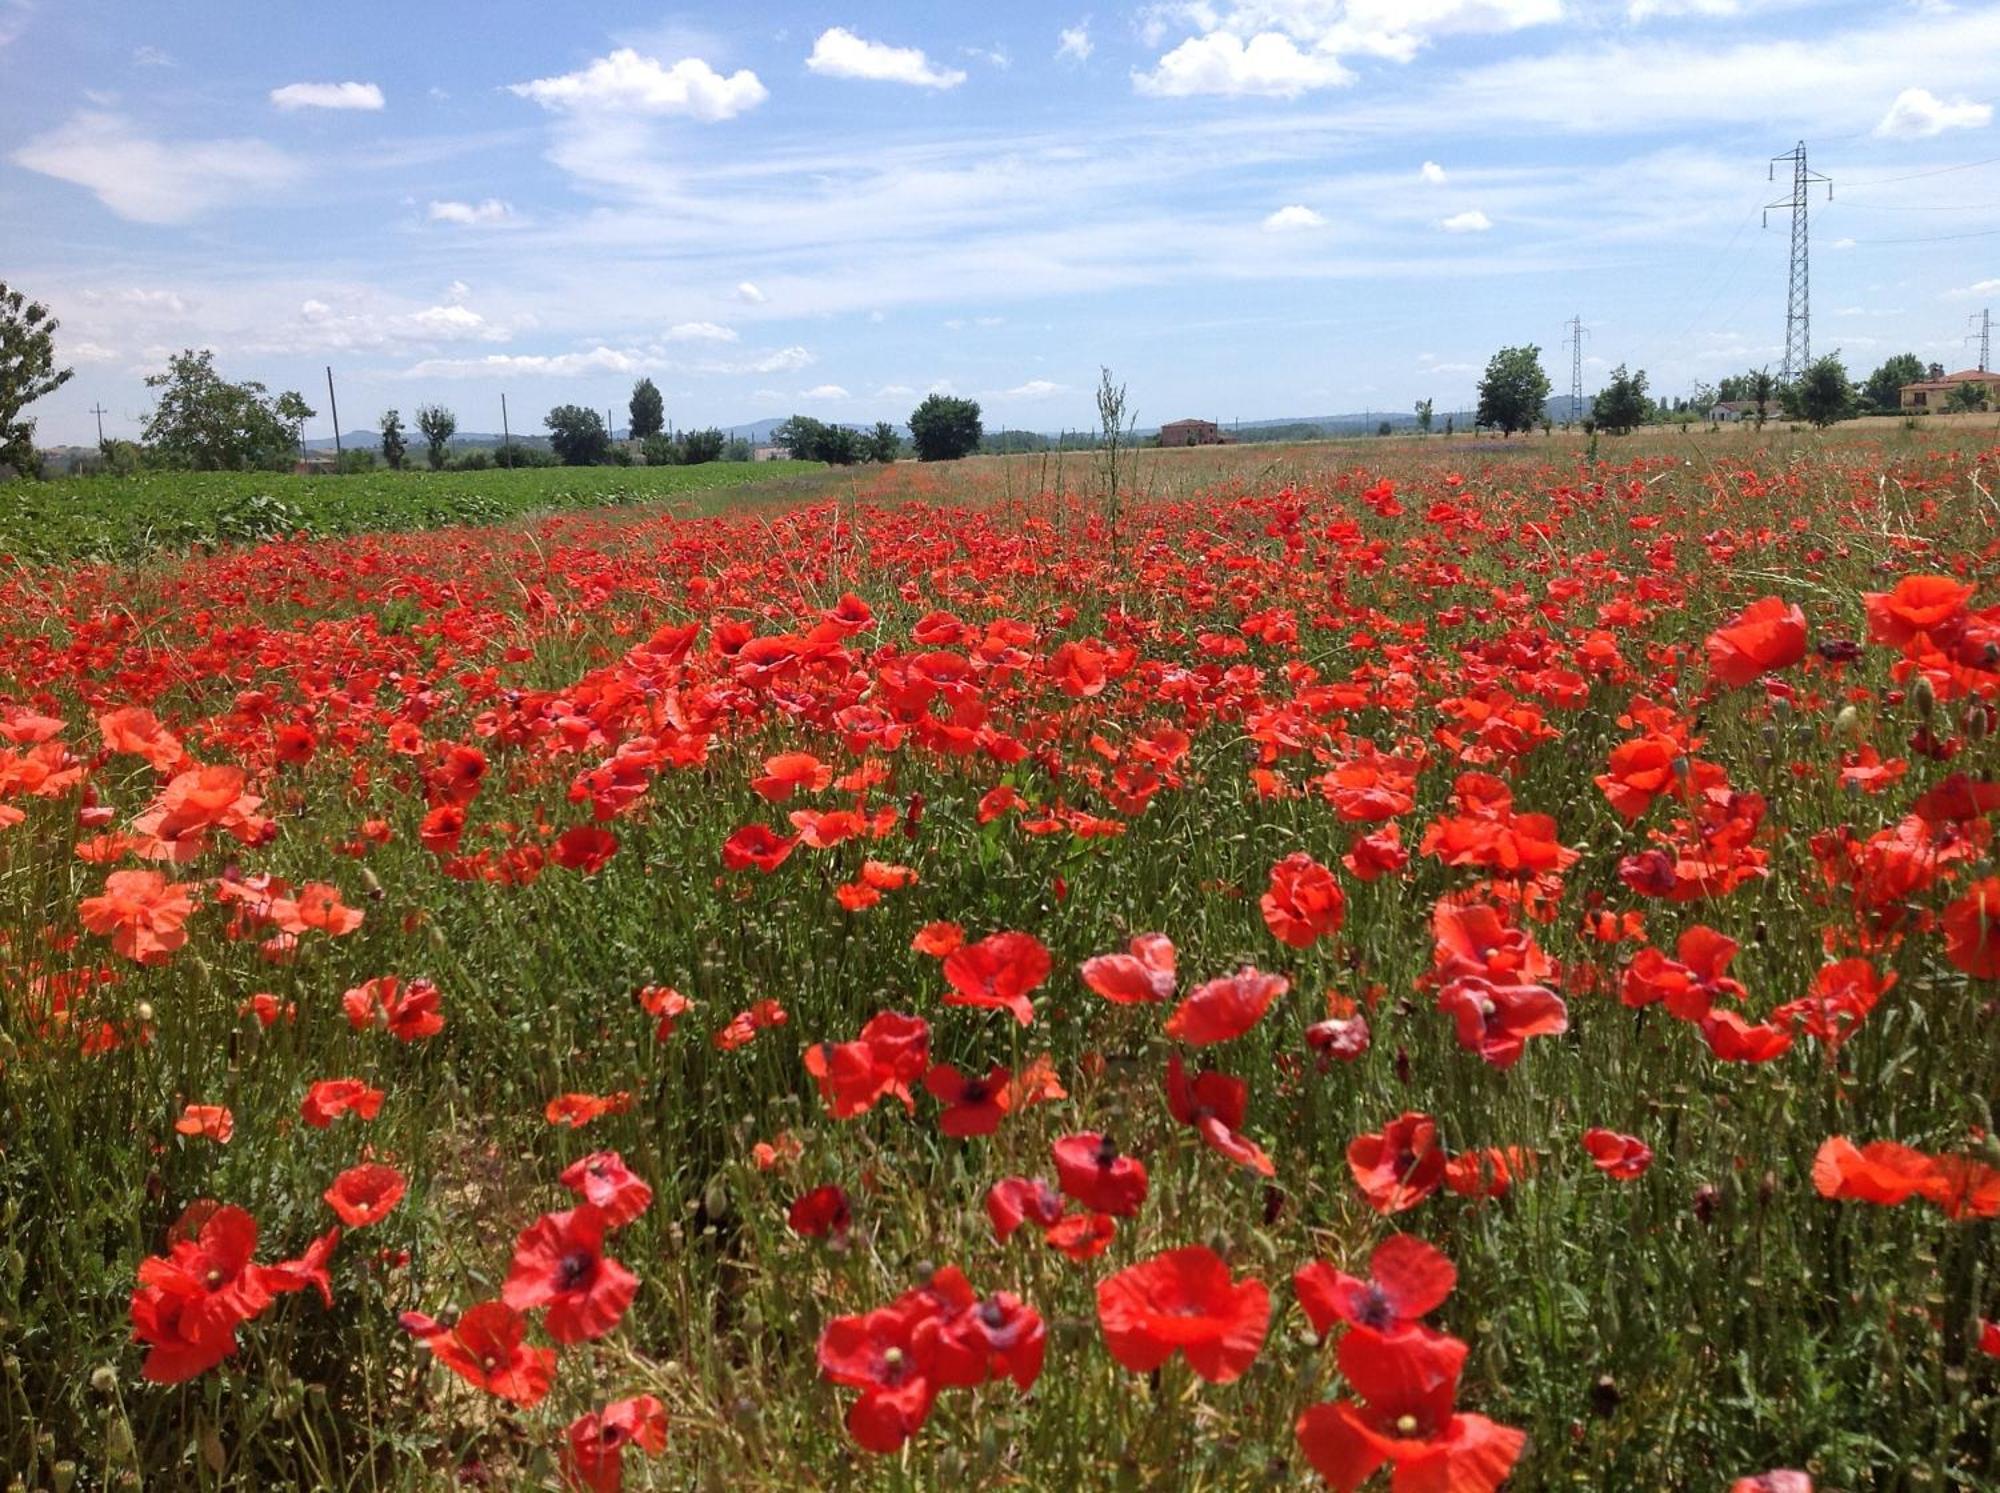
<point>111,519</point>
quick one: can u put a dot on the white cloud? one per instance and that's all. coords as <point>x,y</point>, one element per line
<point>502,365</point>
<point>151,57</point>
<point>627,82</point>
<point>1035,388</point>
<point>1979,288</point>
<point>1472,220</point>
<point>1269,65</point>
<point>154,181</point>
<point>328,96</point>
<point>839,53</point>
<point>750,294</point>
<point>1293,219</point>
<point>830,393</point>
<point>1842,243</point>
<point>451,323</point>
<point>700,331</point>
<point>994,56</point>
<point>895,391</point>
<point>1645,10</point>
<point>90,352</point>
<point>1073,43</point>
<point>472,214</point>
<point>1918,114</point>
<point>784,360</point>
<point>1432,172</point>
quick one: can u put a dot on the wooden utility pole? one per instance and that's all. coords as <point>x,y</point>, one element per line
<point>506,436</point>
<point>333,405</point>
<point>99,411</point>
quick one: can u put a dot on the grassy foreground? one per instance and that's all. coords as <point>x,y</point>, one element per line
<point>1525,896</point>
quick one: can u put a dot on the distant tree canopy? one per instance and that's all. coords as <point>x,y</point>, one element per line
<point>807,439</point>
<point>882,443</point>
<point>393,444</point>
<point>944,428</point>
<point>1966,399</point>
<point>1426,412</point>
<point>578,435</point>
<point>648,410</point>
<point>1514,391</point>
<point>1884,389</point>
<point>700,446</point>
<point>1621,405</point>
<point>1822,394</point>
<point>205,422</point>
<point>27,372</point>
<point>439,425</point>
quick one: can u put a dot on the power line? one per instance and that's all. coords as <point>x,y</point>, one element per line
<point>1798,296</point>
<point>1937,238</point>
<point>1577,332</point>
<point>1883,181</point>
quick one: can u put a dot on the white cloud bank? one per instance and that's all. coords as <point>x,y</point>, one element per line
<point>1917,114</point>
<point>625,81</point>
<point>839,53</point>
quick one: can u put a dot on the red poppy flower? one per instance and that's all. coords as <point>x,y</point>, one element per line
<point>1880,1172</point>
<point>330,1098</point>
<point>1082,1236</point>
<point>1972,930</point>
<point>1735,1040</point>
<point>1090,1169</point>
<point>1342,1037</point>
<point>1373,856</point>
<point>756,845</point>
<point>820,1214</point>
<point>1184,1301</point>
<point>1917,604</point>
<point>1224,1009</point>
<point>1144,975</point>
<point>602,1179</point>
<point>1765,636</point>
<point>1399,1167</point>
<point>142,913</point>
<point>789,773</point>
<point>486,1349</point>
<point>1214,1104</point>
<point>578,1110</point>
<point>1624,1157</point>
<point>665,1003</point>
<point>1001,1337</point>
<point>559,1262</point>
<point>1496,1021</point>
<point>594,1445</point>
<point>585,847</point>
<point>882,1354</point>
<point>190,1301</point>
<point>998,972</point>
<point>366,1193</point>
<point>211,1120</point>
<point>1304,903</point>
<point>1407,1279</point>
<point>1989,1338</point>
<point>1689,985</point>
<point>309,1269</point>
<point>1841,997</point>
<point>1486,1171</point>
<point>1783,1480</point>
<point>973,1106</point>
<point>938,939</point>
<point>891,1053</point>
<point>1012,1201</point>
<point>408,1011</point>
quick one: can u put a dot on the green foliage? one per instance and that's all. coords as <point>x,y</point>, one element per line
<point>808,439</point>
<point>944,428</point>
<point>1822,394</point>
<point>1514,390</point>
<point>27,372</point>
<point>355,461</point>
<point>884,444</point>
<point>1621,406</point>
<point>439,425</point>
<point>1965,399</point>
<point>578,435</point>
<point>1424,415</point>
<point>700,446</point>
<point>738,448</point>
<point>1884,388</point>
<point>205,423</point>
<point>512,454</point>
<point>648,411</point>
<point>660,451</point>
<point>394,446</point>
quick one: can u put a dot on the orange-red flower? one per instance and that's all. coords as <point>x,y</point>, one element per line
<point>142,913</point>
<point>1303,903</point>
<point>1765,636</point>
<point>365,1194</point>
<point>998,972</point>
<point>1184,1301</point>
<point>559,1263</point>
<point>1399,1166</point>
<point>1224,1009</point>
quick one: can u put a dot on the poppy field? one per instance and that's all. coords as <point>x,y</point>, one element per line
<point>1455,971</point>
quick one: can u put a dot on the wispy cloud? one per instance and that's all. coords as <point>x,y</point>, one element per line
<point>155,181</point>
<point>362,96</point>
<point>1918,114</point>
<point>487,214</point>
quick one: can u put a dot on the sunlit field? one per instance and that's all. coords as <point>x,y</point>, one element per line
<point>1427,966</point>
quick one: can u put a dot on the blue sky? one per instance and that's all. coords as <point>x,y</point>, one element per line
<point>1247,208</point>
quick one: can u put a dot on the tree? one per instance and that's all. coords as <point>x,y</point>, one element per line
<point>294,411</point>
<point>698,447</point>
<point>1884,389</point>
<point>883,444</point>
<point>393,444</point>
<point>205,422</point>
<point>27,372</point>
<point>1514,390</point>
<point>1822,394</point>
<point>659,451</point>
<point>578,434</point>
<point>943,428</point>
<point>1424,415</point>
<point>439,425</point>
<point>1968,398</point>
<point>807,439</point>
<point>1621,405</point>
<point>648,410</point>
<point>1763,389</point>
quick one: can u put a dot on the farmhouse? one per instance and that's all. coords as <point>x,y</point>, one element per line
<point>1194,433</point>
<point>1931,394</point>
<point>1728,411</point>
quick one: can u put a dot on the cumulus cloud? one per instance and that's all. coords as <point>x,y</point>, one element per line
<point>1035,388</point>
<point>1918,114</point>
<point>627,82</point>
<point>750,294</point>
<point>1432,172</point>
<point>700,331</point>
<point>1073,43</point>
<point>366,96</point>
<point>1293,219</point>
<point>154,181</point>
<point>828,393</point>
<point>472,214</point>
<point>1472,220</point>
<point>839,53</point>
<point>1269,65</point>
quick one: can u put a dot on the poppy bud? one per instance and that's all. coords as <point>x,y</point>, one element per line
<point>1923,696</point>
<point>371,885</point>
<point>1403,1066</point>
<point>1604,1396</point>
<point>62,1476</point>
<point>104,1379</point>
<point>1848,722</point>
<point>1707,1202</point>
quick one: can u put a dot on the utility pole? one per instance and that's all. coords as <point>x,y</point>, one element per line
<point>333,405</point>
<point>1984,337</point>
<point>506,435</point>
<point>100,411</point>
<point>1798,299</point>
<point>1577,332</point>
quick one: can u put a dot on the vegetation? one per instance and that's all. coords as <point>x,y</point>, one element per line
<point>1622,406</point>
<point>1822,394</point>
<point>204,423</point>
<point>1967,398</point>
<point>438,425</point>
<point>394,446</point>
<point>578,435</point>
<point>1884,390</point>
<point>807,439</point>
<point>1514,391</point>
<point>647,411</point>
<point>28,371</point>
<point>945,428</point>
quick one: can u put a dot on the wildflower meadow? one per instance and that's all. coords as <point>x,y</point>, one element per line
<point>1417,967</point>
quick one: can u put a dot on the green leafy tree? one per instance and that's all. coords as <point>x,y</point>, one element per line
<point>1822,394</point>
<point>1621,405</point>
<point>202,420</point>
<point>648,410</point>
<point>1425,409</point>
<point>1966,399</point>
<point>1884,389</point>
<point>1514,390</point>
<point>294,411</point>
<point>884,445</point>
<point>1762,388</point>
<point>738,448</point>
<point>394,446</point>
<point>698,447</point>
<point>807,439</point>
<point>944,428</point>
<point>659,451</point>
<point>578,435</point>
<point>27,372</point>
<point>439,425</point>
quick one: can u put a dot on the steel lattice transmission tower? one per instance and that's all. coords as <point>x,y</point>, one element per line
<point>1983,320</point>
<point>1577,332</point>
<point>1798,301</point>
